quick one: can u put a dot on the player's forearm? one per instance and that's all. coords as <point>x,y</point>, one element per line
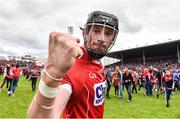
<point>43,104</point>
<point>62,53</point>
<point>37,110</point>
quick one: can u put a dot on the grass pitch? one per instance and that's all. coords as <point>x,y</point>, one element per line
<point>141,107</point>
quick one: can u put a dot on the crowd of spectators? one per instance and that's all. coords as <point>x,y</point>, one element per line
<point>155,77</point>
<point>12,70</point>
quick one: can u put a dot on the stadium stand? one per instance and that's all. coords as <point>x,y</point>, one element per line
<point>147,53</point>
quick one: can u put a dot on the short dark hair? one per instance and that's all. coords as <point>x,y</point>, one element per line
<point>17,65</point>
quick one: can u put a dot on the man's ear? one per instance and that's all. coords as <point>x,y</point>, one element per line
<point>83,31</point>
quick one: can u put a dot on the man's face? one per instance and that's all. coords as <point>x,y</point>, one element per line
<point>117,69</point>
<point>99,38</point>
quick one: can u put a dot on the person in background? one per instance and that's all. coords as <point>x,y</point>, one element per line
<point>34,76</point>
<point>120,74</point>
<point>168,82</point>
<point>159,82</point>
<point>175,80</point>
<point>141,81</point>
<point>7,77</point>
<point>148,85</point>
<point>115,76</point>
<point>27,72</point>
<point>10,79</point>
<point>108,80</point>
<point>179,82</point>
<point>1,71</point>
<point>134,82</point>
<point>127,81</point>
<point>16,75</point>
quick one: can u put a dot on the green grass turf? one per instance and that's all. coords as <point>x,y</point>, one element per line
<point>141,106</point>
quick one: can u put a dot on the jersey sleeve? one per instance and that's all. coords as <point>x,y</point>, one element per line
<point>66,80</point>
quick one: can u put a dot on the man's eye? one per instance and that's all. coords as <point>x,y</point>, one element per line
<point>108,33</point>
<point>96,30</point>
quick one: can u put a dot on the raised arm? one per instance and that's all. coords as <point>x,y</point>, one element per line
<point>51,98</point>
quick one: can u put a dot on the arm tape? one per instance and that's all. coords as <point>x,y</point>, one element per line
<point>47,91</point>
<point>45,107</point>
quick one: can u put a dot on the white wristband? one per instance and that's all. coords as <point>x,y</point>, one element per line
<point>47,91</point>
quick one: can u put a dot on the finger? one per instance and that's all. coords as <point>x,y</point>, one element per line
<point>79,52</point>
<point>74,52</point>
<point>70,37</point>
<point>52,37</point>
<point>50,45</point>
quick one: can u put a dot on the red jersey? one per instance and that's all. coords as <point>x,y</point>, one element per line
<point>115,79</point>
<point>35,74</point>
<point>27,71</point>
<point>16,72</point>
<point>88,83</point>
<point>168,77</point>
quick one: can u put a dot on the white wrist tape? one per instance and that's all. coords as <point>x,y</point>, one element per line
<point>45,107</point>
<point>47,91</point>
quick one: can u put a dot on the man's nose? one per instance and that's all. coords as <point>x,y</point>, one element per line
<point>101,38</point>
